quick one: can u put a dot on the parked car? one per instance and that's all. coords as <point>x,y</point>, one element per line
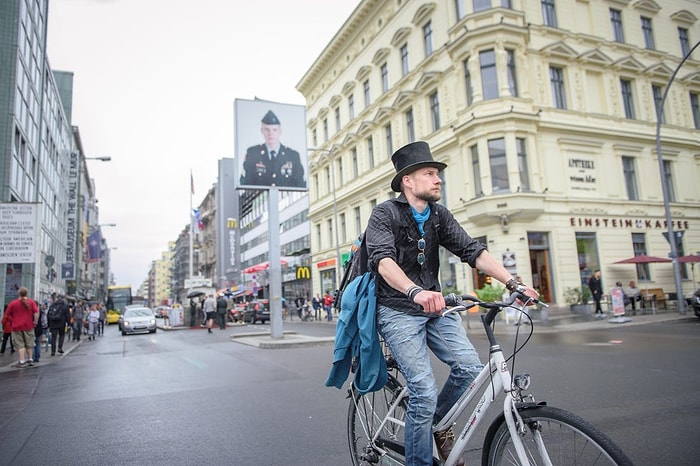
<point>137,320</point>
<point>162,312</point>
<point>113,317</point>
<point>237,312</point>
<point>257,310</point>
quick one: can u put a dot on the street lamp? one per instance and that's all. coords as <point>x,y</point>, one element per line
<point>101,159</point>
<point>329,154</point>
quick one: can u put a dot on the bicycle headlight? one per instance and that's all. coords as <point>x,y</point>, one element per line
<point>522,381</point>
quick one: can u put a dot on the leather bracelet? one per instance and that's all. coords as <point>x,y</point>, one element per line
<point>512,285</point>
<point>413,291</point>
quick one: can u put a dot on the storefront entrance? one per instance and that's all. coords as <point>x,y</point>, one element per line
<point>538,244</point>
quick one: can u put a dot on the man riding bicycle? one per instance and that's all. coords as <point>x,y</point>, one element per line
<point>404,255</point>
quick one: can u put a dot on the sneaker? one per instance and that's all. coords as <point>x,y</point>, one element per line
<point>30,362</point>
<point>445,440</point>
<point>21,364</point>
<point>60,351</point>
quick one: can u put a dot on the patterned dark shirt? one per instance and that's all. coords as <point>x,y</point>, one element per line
<point>397,238</point>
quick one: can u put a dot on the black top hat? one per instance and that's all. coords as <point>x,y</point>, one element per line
<point>270,118</point>
<point>410,158</point>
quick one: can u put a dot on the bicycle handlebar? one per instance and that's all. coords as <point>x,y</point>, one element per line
<point>456,303</point>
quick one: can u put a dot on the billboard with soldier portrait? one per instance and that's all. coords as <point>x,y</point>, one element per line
<point>270,145</point>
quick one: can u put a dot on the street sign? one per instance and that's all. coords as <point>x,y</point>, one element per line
<point>197,282</point>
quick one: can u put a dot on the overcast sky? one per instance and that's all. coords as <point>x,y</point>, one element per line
<point>154,86</point>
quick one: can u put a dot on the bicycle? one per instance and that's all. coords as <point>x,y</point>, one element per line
<point>526,432</point>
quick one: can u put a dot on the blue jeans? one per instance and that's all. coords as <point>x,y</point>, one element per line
<point>409,338</point>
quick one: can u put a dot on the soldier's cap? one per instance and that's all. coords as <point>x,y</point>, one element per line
<point>270,118</point>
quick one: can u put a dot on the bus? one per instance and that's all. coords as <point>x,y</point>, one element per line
<point>118,297</point>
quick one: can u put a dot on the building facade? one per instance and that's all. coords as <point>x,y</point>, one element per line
<point>42,161</point>
<point>545,113</point>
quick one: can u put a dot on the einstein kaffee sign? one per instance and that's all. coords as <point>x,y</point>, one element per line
<point>19,233</point>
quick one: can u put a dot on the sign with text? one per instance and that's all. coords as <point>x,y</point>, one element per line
<point>19,233</point>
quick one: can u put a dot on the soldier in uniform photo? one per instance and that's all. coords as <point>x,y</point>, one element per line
<point>271,163</point>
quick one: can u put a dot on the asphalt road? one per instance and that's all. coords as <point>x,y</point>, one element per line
<point>190,398</point>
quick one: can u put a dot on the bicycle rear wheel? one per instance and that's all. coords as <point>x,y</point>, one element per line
<point>365,415</point>
<point>555,435</point>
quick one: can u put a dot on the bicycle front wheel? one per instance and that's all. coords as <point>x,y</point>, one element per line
<point>552,436</point>
<point>365,415</point>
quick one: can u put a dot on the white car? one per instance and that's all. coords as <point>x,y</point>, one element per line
<point>137,320</point>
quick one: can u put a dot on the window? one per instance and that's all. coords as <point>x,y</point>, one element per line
<point>358,221</point>
<point>480,5</point>
<point>370,152</point>
<point>404,60</point>
<point>658,96</point>
<point>668,181</point>
<point>343,229</point>
<point>410,126</point>
<point>329,180</point>
<point>435,110</point>
<point>556,76</point>
<point>648,33</point>
<point>459,8</point>
<point>630,178</point>
<point>468,83</point>
<point>522,165</point>
<point>337,119</point>
<point>365,87</point>
<point>351,106</point>
<point>684,40</point>
<point>314,137</point>
<point>639,246</point>
<point>325,129</point>
<point>389,143</point>
<point>355,165</point>
<point>549,17</point>
<point>428,38</point>
<point>587,249</point>
<point>318,236</point>
<point>627,98</point>
<point>499,167</point>
<point>339,164</point>
<point>512,74</point>
<point>476,172</point>
<point>385,77</point>
<point>489,78</point>
<point>329,222</point>
<point>616,22</point>
<point>506,4</point>
<point>695,107</point>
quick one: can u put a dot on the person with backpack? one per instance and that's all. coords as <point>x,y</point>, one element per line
<point>40,329</point>
<point>58,316</point>
<point>221,308</point>
<point>402,242</point>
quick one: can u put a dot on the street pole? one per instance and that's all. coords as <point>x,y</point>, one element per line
<point>664,188</point>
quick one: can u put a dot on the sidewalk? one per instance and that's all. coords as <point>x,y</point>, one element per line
<point>9,360</point>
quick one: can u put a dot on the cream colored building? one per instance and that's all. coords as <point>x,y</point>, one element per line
<point>544,112</point>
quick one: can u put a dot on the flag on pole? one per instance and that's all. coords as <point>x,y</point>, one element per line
<point>94,246</point>
<point>200,225</point>
<point>191,183</point>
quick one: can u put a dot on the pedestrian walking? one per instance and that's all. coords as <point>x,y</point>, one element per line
<point>221,306</point>
<point>58,317</point>
<point>316,304</point>
<point>6,333</point>
<point>39,330</point>
<point>596,287</point>
<point>78,314</point>
<point>328,305</point>
<point>93,321</point>
<point>209,309</point>
<point>23,314</point>
<point>103,318</point>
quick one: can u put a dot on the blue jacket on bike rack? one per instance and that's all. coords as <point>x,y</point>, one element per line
<point>356,339</point>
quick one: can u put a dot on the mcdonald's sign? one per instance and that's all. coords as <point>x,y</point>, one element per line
<point>303,273</point>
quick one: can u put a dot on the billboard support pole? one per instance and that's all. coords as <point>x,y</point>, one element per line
<point>275,270</point>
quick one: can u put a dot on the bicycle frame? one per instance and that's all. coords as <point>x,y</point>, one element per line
<point>496,377</point>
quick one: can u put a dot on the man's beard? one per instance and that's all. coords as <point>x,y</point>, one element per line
<point>428,196</point>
